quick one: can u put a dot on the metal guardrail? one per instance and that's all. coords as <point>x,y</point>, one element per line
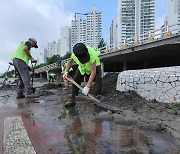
<point>148,37</point>
<point>48,67</point>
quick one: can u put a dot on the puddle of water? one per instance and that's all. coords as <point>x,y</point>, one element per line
<point>125,138</point>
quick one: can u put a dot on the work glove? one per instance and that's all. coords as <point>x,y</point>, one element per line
<point>33,60</point>
<point>65,75</point>
<point>85,90</point>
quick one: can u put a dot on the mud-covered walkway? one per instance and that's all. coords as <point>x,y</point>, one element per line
<point>44,125</point>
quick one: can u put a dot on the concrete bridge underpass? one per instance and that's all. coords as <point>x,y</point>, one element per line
<point>160,48</point>
<point>161,53</point>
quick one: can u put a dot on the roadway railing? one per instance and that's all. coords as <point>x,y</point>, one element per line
<point>158,34</point>
<point>47,68</point>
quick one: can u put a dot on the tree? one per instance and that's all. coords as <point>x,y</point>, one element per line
<point>9,74</point>
<point>53,59</point>
<point>101,43</point>
<point>67,55</point>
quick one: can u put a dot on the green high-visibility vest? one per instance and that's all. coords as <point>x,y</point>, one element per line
<point>86,68</point>
<point>64,68</point>
<point>20,54</point>
<point>52,74</point>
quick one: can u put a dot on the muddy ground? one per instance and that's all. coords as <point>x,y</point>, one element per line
<point>129,108</point>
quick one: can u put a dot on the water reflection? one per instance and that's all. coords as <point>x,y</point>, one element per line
<point>81,135</point>
<point>23,105</point>
<point>85,134</point>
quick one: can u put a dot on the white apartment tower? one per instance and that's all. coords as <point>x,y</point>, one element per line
<point>78,31</point>
<point>114,31</point>
<point>94,28</point>
<point>65,40</point>
<point>173,12</point>
<point>135,17</point>
<point>53,48</point>
<point>89,30</point>
<point>42,55</point>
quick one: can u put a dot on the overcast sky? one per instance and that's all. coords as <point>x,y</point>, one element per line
<point>42,19</point>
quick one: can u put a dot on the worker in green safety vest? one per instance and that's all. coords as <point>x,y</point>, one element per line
<point>88,62</point>
<point>21,59</point>
<point>52,77</point>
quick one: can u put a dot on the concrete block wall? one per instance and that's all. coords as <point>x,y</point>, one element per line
<point>161,84</point>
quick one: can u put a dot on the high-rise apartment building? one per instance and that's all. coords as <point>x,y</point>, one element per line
<point>173,12</point>
<point>42,55</point>
<point>135,17</point>
<point>65,40</point>
<point>78,31</point>
<point>146,15</point>
<point>89,30</point>
<point>114,31</point>
<point>53,48</point>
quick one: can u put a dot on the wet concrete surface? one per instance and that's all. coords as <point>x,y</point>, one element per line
<point>85,128</point>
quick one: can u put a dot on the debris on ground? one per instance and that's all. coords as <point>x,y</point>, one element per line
<point>45,93</point>
<point>131,99</point>
<point>8,87</point>
<point>49,86</point>
<point>109,82</point>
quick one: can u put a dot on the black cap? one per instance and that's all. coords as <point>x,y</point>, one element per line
<point>81,52</point>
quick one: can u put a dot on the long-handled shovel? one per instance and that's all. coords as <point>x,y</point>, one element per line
<point>32,78</point>
<point>97,102</point>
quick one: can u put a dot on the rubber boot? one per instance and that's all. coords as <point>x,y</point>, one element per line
<point>72,102</point>
<point>19,96</point>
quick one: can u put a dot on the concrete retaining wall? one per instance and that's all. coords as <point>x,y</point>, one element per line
<point>161,84</point>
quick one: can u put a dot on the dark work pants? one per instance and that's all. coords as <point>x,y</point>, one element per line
<point>79,78</point>
<point>51,78</point>
<point>24,76</point>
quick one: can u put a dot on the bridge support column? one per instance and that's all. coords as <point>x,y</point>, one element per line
<point>124,66</point>
<point>102,69</point>
<point>165,64</point>
<point>145,64</point>
<point>47,73</point>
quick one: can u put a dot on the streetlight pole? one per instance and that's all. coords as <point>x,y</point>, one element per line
<point>75,24</point>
